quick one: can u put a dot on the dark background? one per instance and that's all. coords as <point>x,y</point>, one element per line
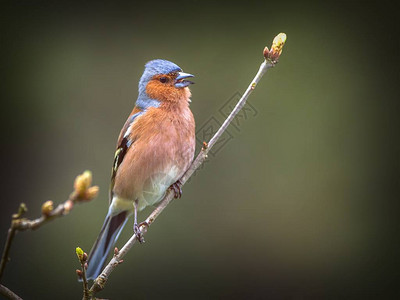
<point>300,203</point>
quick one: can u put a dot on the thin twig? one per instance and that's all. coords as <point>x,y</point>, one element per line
<point>271,58</point>
<point>8,293</point>
<point>82,256</point>
<point>85,283</point>
<point>83,192</point>
<point>10,236</point>
<point>4,257</point>
<point>22,224</point>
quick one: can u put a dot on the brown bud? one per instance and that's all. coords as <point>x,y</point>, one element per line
<point>121,261</point>
<point>79,273</point>
<point>86,266</point>
<point>116,251</point>
<point>92,192</point>
<point>47,208</point>
<point>266,52</point>
<point>85,256</point>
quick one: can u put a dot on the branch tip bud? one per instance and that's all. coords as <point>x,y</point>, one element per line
<point>273,55</point>
<point>21,210</point>
<point>92,192</point>
<point>79,253</point>
<point>47,208</point>
<point>82,182</point>
<point>279,41</point>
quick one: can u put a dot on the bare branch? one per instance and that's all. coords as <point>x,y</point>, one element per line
<point>271,58</point>
<point>8,293</point>
<point>7,246</point>
<point>83,192</point>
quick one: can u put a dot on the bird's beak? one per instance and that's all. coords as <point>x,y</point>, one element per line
<point>180,81</point>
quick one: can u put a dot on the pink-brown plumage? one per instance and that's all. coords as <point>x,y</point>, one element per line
<point>164,137</point>
<point>155,147</point>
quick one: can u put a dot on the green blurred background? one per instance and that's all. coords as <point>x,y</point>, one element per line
<point>301,203</point>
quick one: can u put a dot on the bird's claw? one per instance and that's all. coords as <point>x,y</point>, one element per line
<point>138,232</point>
<point>177,188</point>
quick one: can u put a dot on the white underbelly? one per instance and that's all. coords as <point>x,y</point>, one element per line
<point>155,186</point>
<point>152,191</point>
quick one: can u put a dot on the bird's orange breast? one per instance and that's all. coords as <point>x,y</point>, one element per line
<point>164,140</point>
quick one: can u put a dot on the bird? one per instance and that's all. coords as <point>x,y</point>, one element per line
<point>155,147</point>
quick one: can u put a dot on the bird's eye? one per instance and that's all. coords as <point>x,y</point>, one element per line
<point>163,79</point>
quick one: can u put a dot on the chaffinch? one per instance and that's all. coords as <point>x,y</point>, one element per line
<point>155,147</point>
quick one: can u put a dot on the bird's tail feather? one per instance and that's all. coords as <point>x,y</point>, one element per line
<point>108,236</point>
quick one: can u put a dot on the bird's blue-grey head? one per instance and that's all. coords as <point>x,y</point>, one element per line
<point>156,67</point>
<point>159,67</point>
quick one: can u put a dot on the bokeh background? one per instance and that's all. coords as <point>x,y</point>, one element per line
<point>301,203</point>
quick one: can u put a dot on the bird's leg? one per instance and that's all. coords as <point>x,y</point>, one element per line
<point>177,188</point>
<point>136,227</point>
